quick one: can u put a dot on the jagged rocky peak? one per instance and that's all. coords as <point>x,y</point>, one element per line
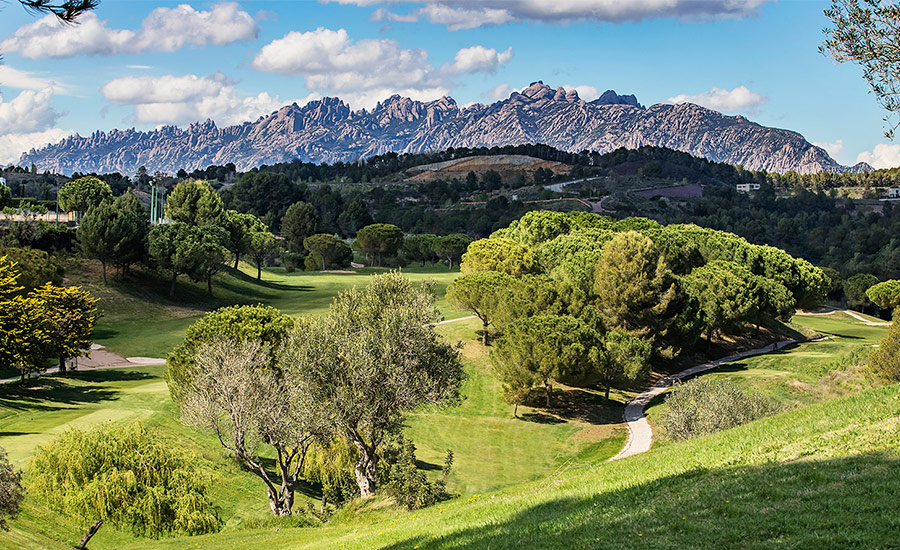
<point>537,90</point>
<point>610,97</point>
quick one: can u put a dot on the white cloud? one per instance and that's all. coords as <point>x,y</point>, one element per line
<point>366,71</point>
<point>585,92</point>
<point>460,14</point>
<point>461,18</point>
<point>382,14</point>
<point>498,92</point>
<point>726,101</point>
<point>27,80</point>
<point>834,148</point>
<point>164,29</point>
<point>173,99</point>
<point>13,145</point>
<point>30,111</point>
<point>883,156</point>
<point>478,59</point>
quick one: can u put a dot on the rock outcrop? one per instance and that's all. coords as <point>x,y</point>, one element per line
<point>327,130</point>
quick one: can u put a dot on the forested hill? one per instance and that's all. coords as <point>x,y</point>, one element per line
<point>327,130</point>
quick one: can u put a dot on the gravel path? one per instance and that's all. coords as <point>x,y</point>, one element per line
<point>640,434</point>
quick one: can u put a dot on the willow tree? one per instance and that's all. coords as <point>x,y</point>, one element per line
<point>126,475</point>
<point>373,357</point>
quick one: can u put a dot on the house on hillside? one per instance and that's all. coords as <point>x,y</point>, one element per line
<point>894,193</point>
<point>747,187</point>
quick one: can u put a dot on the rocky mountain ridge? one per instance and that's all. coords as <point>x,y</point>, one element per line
<point>328,130</point>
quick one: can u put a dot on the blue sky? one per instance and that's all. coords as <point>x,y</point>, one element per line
<point>143,64</point>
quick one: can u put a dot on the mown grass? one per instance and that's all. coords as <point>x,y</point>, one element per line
<point>804,374</point>
<point>492,449</point>
<point>139,318</point>
<point>823,476</point>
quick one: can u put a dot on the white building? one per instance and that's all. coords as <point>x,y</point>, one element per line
<point>893,192</point>
<point>747,187</point>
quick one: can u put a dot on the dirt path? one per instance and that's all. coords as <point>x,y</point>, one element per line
<point>101,358</point>
<point>640,434</point>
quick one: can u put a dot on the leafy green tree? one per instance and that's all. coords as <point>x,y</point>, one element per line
<point>97,234</point>
<point>499,254</point>
<point>195,202</point>
<point>624,358</point>
<point>234,323</point>
<point>5,197</point>
<point>263,245</point>
<point>263,193</point>
<point>451,247</point>
<point>725,292</point>
<point>528,296</point>
<point>635,289</point>
<point>354,216</point>
<point>300,221</point>
<point>866,32</point>
<point>544,348</point>
<point>251,407</point>
<point>240,228</point>
<point>884,362</point>
<point>82,194</point>
<point>124,475</point>
<point>855,288</point>
<point>540,226</point>
<point>373,357</point>
<point>25,335</point>
<point>328,250</point>
<point>182,249</point>
<point>479,292</point>
<point>771,298</point>
<point>70,315</point>
<point>421,248</point>
<point>885,295</point>
<point>11,491</point>
<point>114,231</point>
<point>34,267</point>
<point>378,240</point>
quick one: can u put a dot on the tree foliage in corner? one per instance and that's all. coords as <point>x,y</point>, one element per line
<point>867,32</point>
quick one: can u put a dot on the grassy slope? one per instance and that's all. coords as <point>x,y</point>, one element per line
<point>808,373</point>
<point>140,320</point>
<point>492,450</point>
<point>824,476</point>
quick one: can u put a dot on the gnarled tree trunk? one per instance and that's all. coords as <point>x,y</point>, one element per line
<point>92,530</point>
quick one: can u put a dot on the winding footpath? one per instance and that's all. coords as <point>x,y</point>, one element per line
<point>640,434</point>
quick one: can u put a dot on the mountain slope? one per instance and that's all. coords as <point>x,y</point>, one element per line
<point>328,130</point>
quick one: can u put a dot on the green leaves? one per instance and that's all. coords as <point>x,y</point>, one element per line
<point>885,295</point>
<point>195,202</point>
<point>499,254</point>
<point>83,194</point>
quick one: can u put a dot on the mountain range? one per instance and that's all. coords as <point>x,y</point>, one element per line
<point>327,130</point>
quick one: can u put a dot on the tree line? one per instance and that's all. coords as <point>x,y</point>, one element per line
<point>582,298</point>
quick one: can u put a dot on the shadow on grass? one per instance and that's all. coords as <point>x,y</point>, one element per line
<point>54,392</point>
<point>838,503</point>
<point>571,404</point>
<point>240,275</point>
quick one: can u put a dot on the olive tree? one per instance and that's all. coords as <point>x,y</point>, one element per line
<point>479,292</point>
<point>125,475</point>
<point>374,356</point>
<point>248,405</point>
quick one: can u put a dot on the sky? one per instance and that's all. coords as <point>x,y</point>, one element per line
<point>145,64</point>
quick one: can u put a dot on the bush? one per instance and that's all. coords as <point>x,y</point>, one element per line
<point>884,363</point>
<point>406,484</point>
<point>704,406</point>
<point>10,490</point>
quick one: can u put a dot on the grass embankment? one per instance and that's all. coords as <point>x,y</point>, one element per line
<point>807,373</point>
<point>492,449</point>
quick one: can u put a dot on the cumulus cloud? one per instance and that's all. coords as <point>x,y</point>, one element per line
<point>30,111</point>
<point>368,70</point>
<point>834,148</point>
<point>498,92</point>
<point>27,121</point>
<point>739,99</point>
<point>382,14</point>
<point>460,14</point>
<point>13,145</point>
<point>883,156</point>
<point>164,29</point>
<point>478,59</point>
<point>173,99</point>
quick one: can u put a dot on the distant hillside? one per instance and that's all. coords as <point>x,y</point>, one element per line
<point>328,130</point>
<point>505,165</point>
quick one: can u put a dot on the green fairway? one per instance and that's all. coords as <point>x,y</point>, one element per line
<point>139,319</point>
<point>807,373</point>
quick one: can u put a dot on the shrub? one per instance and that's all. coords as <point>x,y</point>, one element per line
<point>406,484</point>
<point>703,406</point>
<point>10,490</point>
<point>884,363</point>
